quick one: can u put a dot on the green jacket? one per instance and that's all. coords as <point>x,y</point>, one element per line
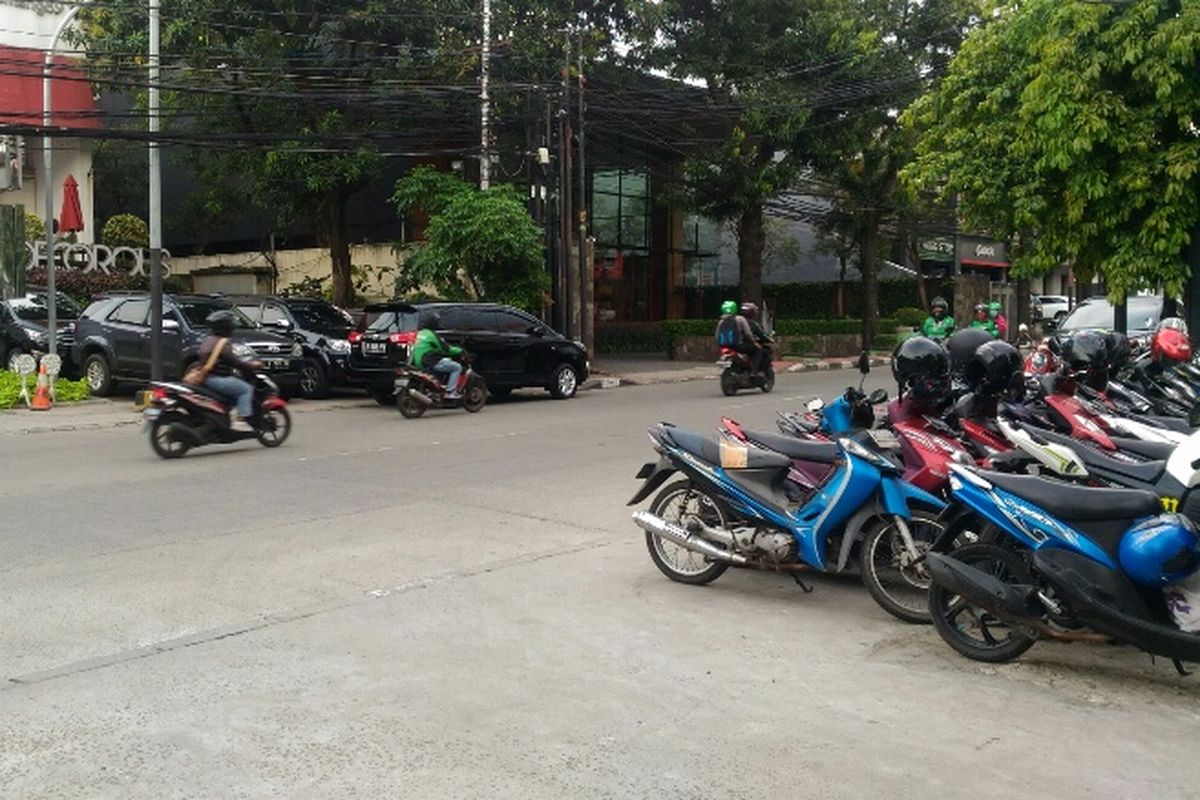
<point>987,325</point>
<point>429,345</point>
<point>938,328</point>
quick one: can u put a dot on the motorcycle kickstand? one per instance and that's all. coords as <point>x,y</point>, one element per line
<point>804,586</point>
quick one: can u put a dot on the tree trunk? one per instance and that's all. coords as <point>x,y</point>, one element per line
<point>339,249</point>
<point>869,266</point>
<point>840,304</point>
<point>751,243</point>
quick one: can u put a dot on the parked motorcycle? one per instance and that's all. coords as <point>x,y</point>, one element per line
<point>1069,563</point>
<point>734,507</point>
<point>181,416</point>
<point>419,390</point>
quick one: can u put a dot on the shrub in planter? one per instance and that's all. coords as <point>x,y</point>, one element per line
<point>35,229</point>
<point>126,230</point>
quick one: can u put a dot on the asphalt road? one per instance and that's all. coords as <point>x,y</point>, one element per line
<point>460,607</point>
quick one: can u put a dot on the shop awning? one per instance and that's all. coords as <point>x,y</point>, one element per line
<point>21,91</point>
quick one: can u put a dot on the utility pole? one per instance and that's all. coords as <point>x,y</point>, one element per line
<point>155,155</point>
<point>587,316</point>
<point>485,151</point>
<point>570,267</point>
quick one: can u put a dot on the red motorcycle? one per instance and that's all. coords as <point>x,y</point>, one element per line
<point>419,390</point>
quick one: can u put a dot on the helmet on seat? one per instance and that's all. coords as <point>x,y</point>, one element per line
<point>221,322</point>
<point>1161,550</point>
<point>1119,351</point>
<point>962,345</point>
<point>729,307</point>
<point>1170,341</point>
<point>995,369</point>
<point>922,371</point>
<point>1087,352</point>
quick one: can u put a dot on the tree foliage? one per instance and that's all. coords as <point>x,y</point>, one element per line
<point>126,230</point>
<point>1072,126</point>
<point>479,245</point>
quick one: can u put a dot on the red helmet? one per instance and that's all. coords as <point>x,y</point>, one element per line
<point>1170,341</point>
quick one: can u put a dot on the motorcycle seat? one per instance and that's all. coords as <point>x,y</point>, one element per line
<point>710,451</point>
<point>213,393</point>
<point>1144,472</point>
<point>1145,449</point>
<point>798,449</point>
<point>1072,503</point>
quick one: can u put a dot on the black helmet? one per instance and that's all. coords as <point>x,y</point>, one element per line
<point>1119,351</point>
<point>221,322</point>
<point>749,310</point>
<point>962,346</point>
<point>922,370</point>
<point>1087,352</point>
<point>996,368</point>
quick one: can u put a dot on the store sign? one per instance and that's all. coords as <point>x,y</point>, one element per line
<point>940,249</point>
<point>96,257</point>
<point>976,252</point>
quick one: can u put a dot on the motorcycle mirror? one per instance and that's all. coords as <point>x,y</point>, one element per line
<point>878,396</point>
<point>814,405</point>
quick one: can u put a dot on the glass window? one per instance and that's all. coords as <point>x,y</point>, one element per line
<point>319,316</point>
<point>131,312</point>
<point>36,306</point>
<point>251,311</point>
<point>1143,315</point>
<point>392,321</point>
<point>273,313</point>
<point>621,210</point>
<point>197,310</point>
<point>507,321</point>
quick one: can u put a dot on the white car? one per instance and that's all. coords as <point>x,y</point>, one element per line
<point>1050,306</point>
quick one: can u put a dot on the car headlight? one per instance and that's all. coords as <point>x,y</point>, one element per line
<point>297,350</point>
<point>36,334</point>
<point>339,346</point>
<point>243,350</point>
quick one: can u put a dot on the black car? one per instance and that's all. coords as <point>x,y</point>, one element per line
<point>1144,312</point>
<point>323,329</point>
<point>24,328</point>
<point>509,348</point>
<point>112,340</point>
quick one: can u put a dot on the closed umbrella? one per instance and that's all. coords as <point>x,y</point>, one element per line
<point>71,217</point>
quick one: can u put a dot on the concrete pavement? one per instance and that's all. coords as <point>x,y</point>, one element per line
<point>458,606</point>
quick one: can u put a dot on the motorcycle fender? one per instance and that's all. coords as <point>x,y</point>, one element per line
<point>853,532</point>
<point>899,496</point>
<point>654,475</point>
<point>954,520</point>
<point>272,403</point>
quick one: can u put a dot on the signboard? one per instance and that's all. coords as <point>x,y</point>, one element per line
<point>974,251</point>
<point>940,248</point>
<point>95,257</point>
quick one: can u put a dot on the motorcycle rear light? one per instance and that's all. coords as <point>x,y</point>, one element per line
<point>158,394</point>
<point>403,337</point>
<point>354,337</point>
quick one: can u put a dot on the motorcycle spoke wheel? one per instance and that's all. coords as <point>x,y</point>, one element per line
<point>409,406</point>
<point>974,631</point>
<point>896,581</point>
<point>274,427</point>
<point>679,503</point>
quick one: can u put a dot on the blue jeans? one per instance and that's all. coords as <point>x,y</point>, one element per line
<point>238,389</point>
<point>451,366</point>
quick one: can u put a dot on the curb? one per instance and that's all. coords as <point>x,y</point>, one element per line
<point>615,381</point>
<point>821,366</point>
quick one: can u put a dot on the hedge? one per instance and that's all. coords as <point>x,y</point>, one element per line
<point>816,300</point>
<point>81,286</point>
<point>659,337</point>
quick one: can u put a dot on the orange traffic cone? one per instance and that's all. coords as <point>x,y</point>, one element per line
<point>41,397</point>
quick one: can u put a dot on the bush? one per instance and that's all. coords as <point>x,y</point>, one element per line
<point>660,337</point>
<point>82,286</point>
<point>909,317</point>
<point>815,300</point>
<point>65,391</point>
<point>126,230</point>
<point>35,229</point>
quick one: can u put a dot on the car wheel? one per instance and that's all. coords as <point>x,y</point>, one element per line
<point>564,383</point>
<point>314,382</point>
<point>98,375</point>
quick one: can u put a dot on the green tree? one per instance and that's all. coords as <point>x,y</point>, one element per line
<point>1071,126</point>
<point>478,244</point>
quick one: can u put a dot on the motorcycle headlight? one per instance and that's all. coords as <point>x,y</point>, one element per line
<point>866,454</point>
<point>242,350</point>
<point>297,350</point>
<point>339,346</point>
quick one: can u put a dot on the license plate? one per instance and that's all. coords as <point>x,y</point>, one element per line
<point>724,362</point>
<point>884,438</point>
<point>277,363</point>
<point>151,414</point>
<point>374,348</point>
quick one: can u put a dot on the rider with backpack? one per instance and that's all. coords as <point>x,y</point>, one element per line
<point>735,333</point>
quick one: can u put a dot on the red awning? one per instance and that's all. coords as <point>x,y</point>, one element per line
<point>21,91</point>
<point>990,264</point>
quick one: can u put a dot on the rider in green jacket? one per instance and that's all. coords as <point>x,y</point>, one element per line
<point>940,324</point>
<point>983,320</point>
<point>431,353</point>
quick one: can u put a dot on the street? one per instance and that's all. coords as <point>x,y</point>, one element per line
<point>459,606</point>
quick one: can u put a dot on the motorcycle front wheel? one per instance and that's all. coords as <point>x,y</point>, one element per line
<point>275,427</point>
<point>680,502</point>
<point>163,441</point>
<point>898,583</point>
<point>475,397</point>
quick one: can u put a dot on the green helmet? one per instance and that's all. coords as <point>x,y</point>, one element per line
<point>993,308</point>
<point>729,307</point>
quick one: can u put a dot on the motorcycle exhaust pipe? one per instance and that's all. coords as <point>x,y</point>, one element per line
<point>980,588</point>
<point>421,397</point>
<point>689,541</point>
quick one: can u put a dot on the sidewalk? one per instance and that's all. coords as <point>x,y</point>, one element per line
<point>643,369</point>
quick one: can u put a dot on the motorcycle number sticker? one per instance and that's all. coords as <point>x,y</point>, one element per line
<point>1170,504</point>
<point>734,456</point>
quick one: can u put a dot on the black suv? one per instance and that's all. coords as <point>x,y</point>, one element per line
<point>511,349</point>
<point>322,328</point>
<point>112,340</point>
<point>23,327</point>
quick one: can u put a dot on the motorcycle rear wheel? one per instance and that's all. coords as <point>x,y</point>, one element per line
<point>768,381</point>
<point>163,443</point>
<point>976,636</point>
<point>678,502</point>
<point>409,406</point>
<point>729,383</point>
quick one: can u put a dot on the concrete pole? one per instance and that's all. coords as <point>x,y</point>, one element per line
<point>485,152</point>
<point>155,158</point>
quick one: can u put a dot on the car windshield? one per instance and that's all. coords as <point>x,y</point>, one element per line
<point>197,311</point>
<point>318,316</point>
<point>34,306</point>
<point>390,321</point>
<point>1143,315</point>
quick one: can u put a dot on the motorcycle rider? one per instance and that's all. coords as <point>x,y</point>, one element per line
<point>939,324</point>
<point>999,319</point>
<point>431,353</point>
<point>749,312</point>
<point>223,377</point>
<point>983,320</point>
<point>734,332</point>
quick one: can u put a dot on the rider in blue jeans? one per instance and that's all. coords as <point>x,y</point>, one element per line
<point>223,375</point>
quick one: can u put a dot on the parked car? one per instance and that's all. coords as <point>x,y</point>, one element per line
<point>511,349</point>
<point>322,329</point>
<point>1051,306</point>
<point>1096,313</point>
<point>112,340</point>
<point>24,328</point>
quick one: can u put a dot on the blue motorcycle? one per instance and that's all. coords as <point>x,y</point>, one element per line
<point>1065,562</point>
<point>737,506</point>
